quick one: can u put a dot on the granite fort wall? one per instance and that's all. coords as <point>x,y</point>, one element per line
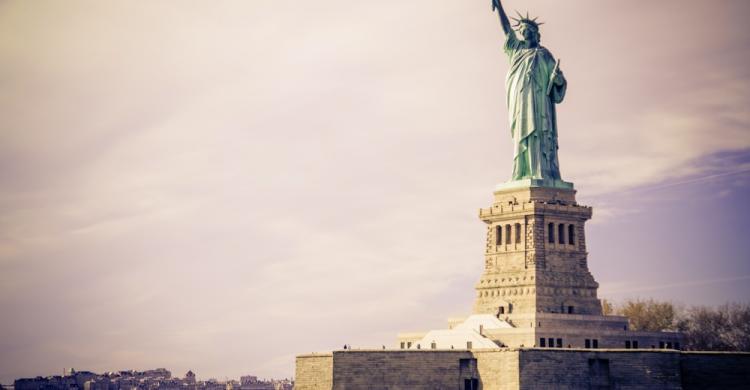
<point>314,372</point>
<point>498,369</point>
<point>604,369</point>
<point>400,370</point>
<point>715,370</point>
<point>529,368</point>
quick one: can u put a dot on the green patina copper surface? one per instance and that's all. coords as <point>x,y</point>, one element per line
<point>534,85</point>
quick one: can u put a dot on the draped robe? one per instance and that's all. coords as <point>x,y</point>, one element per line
<point>533,123</point>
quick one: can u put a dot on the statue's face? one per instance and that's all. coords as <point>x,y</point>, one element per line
<point>529,33</point>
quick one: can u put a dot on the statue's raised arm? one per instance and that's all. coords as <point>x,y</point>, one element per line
<point>504,21</point>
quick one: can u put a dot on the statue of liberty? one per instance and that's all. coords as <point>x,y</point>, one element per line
<point>534,85</point>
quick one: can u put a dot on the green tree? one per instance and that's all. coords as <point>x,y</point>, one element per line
<point>648,315</point>
<point>725,328</point>
<point>722,328</point>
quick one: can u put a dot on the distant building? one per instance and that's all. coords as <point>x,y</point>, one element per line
<point>102,383</point>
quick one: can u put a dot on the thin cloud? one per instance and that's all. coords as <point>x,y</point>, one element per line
<point>622,290</point>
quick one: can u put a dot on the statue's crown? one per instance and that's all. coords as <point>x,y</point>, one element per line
<point>526,20</point>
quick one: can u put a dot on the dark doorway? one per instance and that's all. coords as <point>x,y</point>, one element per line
<point>599,374</point>
<point>471,384</point>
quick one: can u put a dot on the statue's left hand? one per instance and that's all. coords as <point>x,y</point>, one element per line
<point>558,78</point>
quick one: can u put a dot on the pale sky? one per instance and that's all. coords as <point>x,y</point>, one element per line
<point>222,185</point>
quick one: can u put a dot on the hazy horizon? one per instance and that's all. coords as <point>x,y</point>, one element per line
<point>220,186</point>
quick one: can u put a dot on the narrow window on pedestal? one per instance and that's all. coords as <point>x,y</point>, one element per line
<point>498,235</point>
<point>571,235</point>
<point>551,233</point>
<point>561,234</point>
<point>507,234</point>
<point>542,342</point>
<point>518,233</point>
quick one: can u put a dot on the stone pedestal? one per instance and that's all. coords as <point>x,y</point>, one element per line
<point>535,254</point>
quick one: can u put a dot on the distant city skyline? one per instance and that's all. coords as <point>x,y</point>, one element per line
<point>220,186</point>
<point>153,379</point>
<point>67,371</point>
